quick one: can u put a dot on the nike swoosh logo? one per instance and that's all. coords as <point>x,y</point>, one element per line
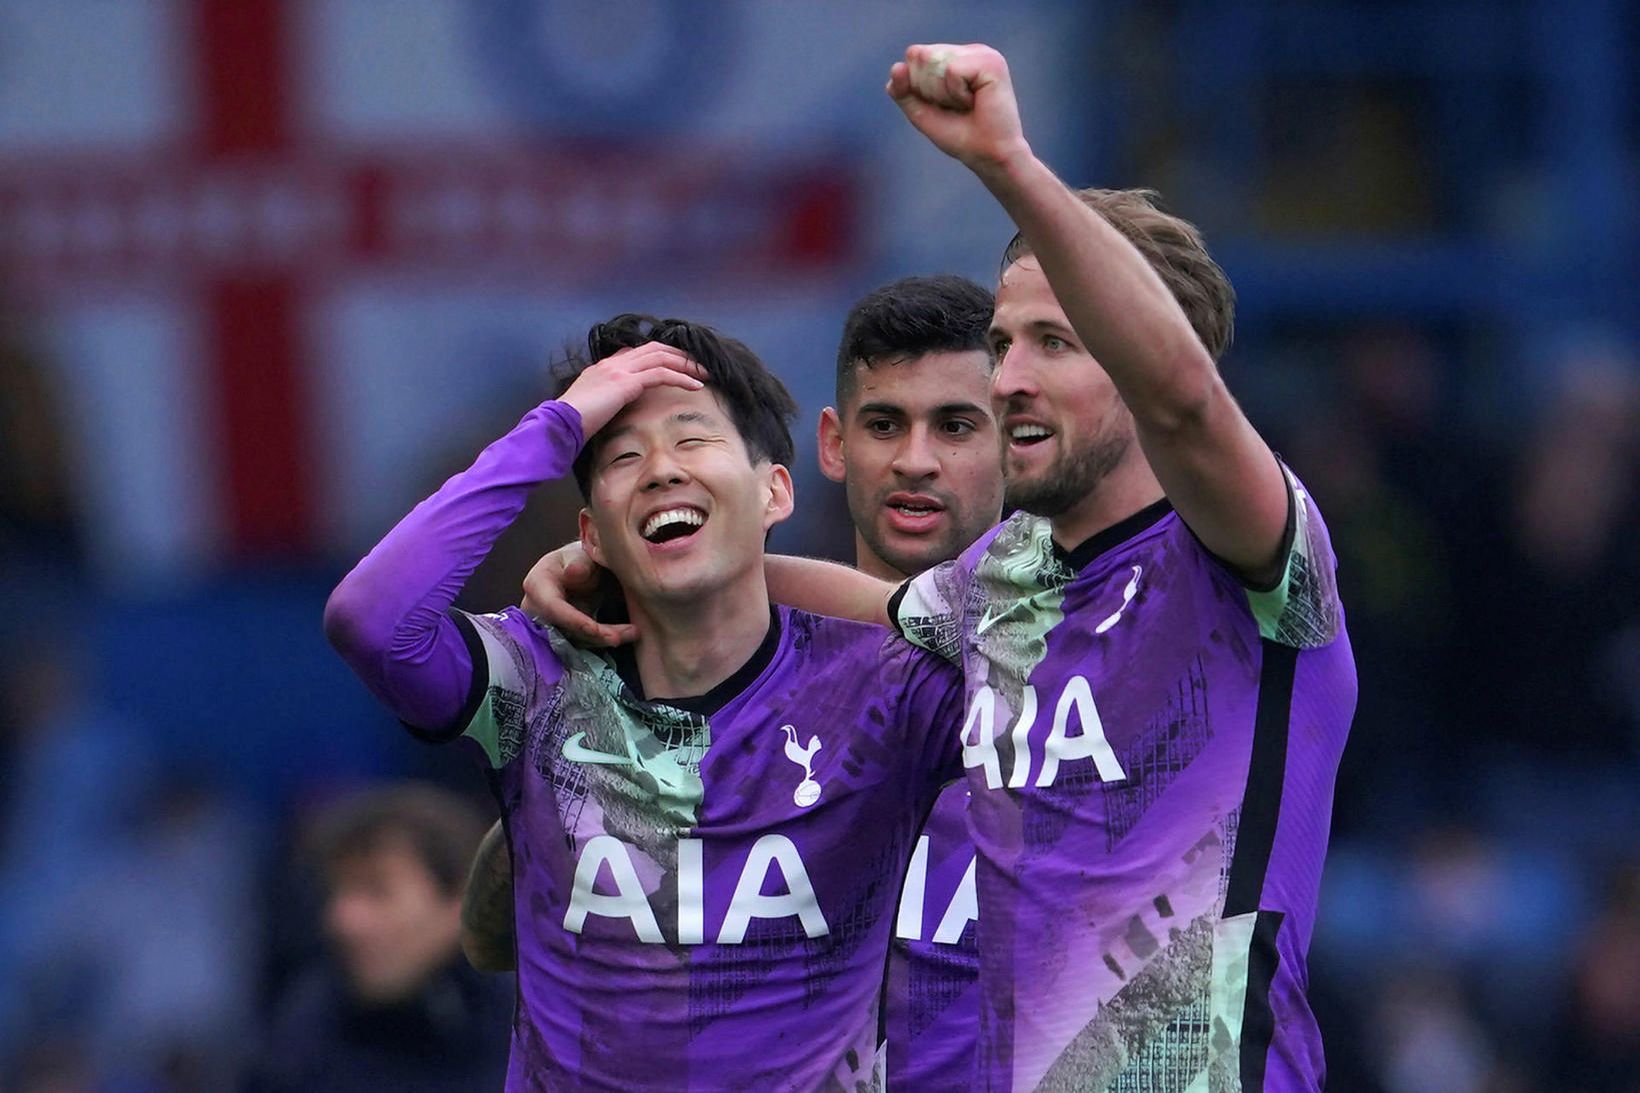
<point>576,752</point>
<point>988,620</point>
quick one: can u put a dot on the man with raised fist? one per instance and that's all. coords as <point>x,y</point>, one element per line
<point>1159,684</point>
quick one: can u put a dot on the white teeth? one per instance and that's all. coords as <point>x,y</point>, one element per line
<point>914,510</point>
<point>1029,432</point>
<point>692,517</point>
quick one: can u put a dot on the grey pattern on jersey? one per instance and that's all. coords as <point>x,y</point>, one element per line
<point>1303,611</point>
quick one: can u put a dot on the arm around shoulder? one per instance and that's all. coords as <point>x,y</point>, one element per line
<point>827,588</point>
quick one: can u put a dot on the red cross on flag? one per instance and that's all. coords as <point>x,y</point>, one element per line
<point>188,188</point>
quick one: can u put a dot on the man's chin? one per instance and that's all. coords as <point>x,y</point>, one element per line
<point>912,556</point>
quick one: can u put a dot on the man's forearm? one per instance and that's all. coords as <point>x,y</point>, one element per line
<point>387,617</point>
<point>487,931</point>
<point>826,588</point>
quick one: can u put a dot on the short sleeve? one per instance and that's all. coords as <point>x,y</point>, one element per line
<point>933,712</point>
<point>1302,609</point>
<point>512,669</point>
<point>927,610</point>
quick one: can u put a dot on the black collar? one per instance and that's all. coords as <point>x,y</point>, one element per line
<point>626,664</point>
<point>1079,556</point>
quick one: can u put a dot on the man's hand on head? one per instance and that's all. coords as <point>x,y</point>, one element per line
<point>606,388</point>
<point>962,99</point>
<point>561,590</point>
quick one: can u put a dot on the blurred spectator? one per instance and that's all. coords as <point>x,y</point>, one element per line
<point>395,1005</point>
<point>36,506</point>
<point>124,931</point>
<point>1552,582</point>
<point>1600,1038</point>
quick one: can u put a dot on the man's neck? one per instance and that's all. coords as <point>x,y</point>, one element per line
<point>1120,494</point>
<point>867,562</point>
<point>689,648</point>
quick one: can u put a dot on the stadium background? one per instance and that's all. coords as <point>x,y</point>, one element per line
<point>269,270</point>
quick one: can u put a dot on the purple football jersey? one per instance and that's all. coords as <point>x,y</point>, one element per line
<point>1151,749</point>
<point>704,898</point>
<point>932,1003</point>
<point>704,887</point>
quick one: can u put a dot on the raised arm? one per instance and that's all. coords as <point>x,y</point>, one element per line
<point>1214,467</point>
<point>487,933</point>
<point>388,617</point>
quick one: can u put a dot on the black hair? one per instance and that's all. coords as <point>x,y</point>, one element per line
<point>911,317</point>
<point>758,403</point>
<point>440,827</point>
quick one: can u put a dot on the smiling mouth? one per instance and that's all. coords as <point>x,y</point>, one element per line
<point>1025,436</point>
<point>673,524</point>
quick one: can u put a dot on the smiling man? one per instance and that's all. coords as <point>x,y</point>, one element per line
<point>914,443</point>
<point>1158,676</point>
<point>707,828</point>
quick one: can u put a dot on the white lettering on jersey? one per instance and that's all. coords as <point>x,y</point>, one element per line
<point>963,909</point>
<point>979,737</point>
<point>908,924</point>
<point>691,892</point>
<point>628,902</point>
<point>749,902</point>
<point>1089,744</point>
<point>983,751</point>
<point>1022,738</point>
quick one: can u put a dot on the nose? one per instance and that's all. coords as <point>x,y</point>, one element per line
<point>916,456</point>
<point>1013,377</point>
<point>662,469</point>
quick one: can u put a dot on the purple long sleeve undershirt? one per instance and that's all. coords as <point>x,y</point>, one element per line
<point>388,618</point>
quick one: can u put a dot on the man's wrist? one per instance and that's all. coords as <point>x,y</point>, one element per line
<point>568,416</point>
<point>1007,167</point>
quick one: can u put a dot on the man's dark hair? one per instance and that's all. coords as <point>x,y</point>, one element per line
<point>908,318</point>
<point>441,828</point>
<point>758,403</point>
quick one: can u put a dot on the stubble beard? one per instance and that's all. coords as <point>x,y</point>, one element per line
<point>1070,478</point>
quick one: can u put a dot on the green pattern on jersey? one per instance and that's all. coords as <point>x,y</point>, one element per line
<point>642,761</point>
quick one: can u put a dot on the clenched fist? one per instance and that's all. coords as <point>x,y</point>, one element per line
<point>962,99</point>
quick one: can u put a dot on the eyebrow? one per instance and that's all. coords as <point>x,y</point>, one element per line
<point>943,408</point>
<point>1034,326</point>
<point>682,417</point>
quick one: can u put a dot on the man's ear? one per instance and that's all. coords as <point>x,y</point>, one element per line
<point>780,496</point>
<point>589,538</point>
<point>832,463</point>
